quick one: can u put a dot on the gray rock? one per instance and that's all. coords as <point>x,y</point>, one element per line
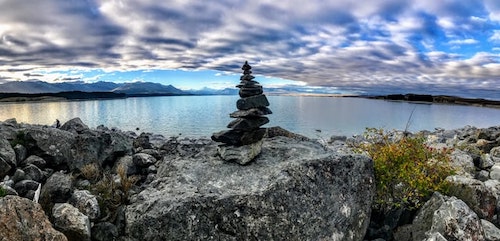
<point>9,190</point>
<point>248,123</point>
<point>238,137</point>
<point>435,237</point>
<point>462,162</point>
<point>22,219</point>
<point>495,172</point>
<point>104,231</point>
<point>143,160</point>
<point>255,101</point>
<point>449,217</point>
<point>25,186</point>
<point>475,194</point>
<point>21,153</point>
<point>86,203</point>
<point>33,173</point>
<point>486,162</point>
<point>7,157</point>
<point>57,189</point>
<point>75,125</point>
<point>34,160</point>
<point>240,154</point>
<point>495,154</point>
<point>294,190</point>
<point>70,221</point>
<point>491,232</point>
<point>254,112</point>
<point>483,175</point>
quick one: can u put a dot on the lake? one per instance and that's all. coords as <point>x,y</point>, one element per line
<point>196,116</point>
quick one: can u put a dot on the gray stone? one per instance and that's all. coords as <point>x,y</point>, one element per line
<point>57,189</point>
<point>462,162</point>
<point>475,194</point>
<point>486,162</point>
<point>143,160</point>
<point>75,125</point>
<point>21,153</point>
<point>483,175</point>
<point>294,190</point>
<point>250,91</point>
<point>25,186</point>
<point>238,137</point>
<point>22,219</point>
<point>240,154</point>
<point>5,168</point>
<point>104,231</point>
<point>448,216</point>
<point>248,123</point>
<point>435,237</point>
<point>35,160</point>
<point>495,154</point>
<point>86,203</point>
<point>254,112</point>
<point>495,172</point>
<point>491,232</point>
<point>252,102</point>
<point>34,173</point>
<point>70,221</point>
<point>7,157</point>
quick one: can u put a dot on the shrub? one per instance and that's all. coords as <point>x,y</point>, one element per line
<point>407,171</point>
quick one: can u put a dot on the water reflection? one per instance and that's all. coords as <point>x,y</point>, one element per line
<point>203,115</point>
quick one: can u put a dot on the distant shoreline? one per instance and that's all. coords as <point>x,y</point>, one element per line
<point>80,95</point>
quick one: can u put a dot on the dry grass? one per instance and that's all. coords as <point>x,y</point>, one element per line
<point>91,172</point>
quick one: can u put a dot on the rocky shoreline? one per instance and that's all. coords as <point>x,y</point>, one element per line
<point>440,99</point>
<point>77,183</point>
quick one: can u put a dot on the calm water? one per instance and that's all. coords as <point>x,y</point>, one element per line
<point>202,115</point>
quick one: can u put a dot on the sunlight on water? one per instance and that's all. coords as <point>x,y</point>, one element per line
<point>202,115</point>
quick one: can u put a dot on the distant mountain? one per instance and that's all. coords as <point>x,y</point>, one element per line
<point>131,89</point>
<point>209,91</point>
<point>147,88</point>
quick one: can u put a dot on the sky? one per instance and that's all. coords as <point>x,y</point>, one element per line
<point>448,46</point>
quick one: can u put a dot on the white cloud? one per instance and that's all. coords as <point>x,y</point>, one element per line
<point>463,41</point>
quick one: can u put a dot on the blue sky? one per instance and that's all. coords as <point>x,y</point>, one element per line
<point>438,46</point>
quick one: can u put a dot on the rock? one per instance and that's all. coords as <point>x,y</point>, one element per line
<point>495,154</point>
<point>294,190</point>
<point>491,232</point>
<point>86,203</point>
<point>26,188</point>
<point>57,189</point>
<point>495,172</point>
<point>238,137</point>
<point>21,153</point>
<point>462,162</point>
<point>486,162</point>
<point>278,131</point>
<point>34,160</point>
<point>19,175</point>
<point>254,112</point>
<point>70,221</point>
<point>143,160</point>
<point>252,102</point>
<point>435,237</point>
<point>7,157</point>
<point>248,123</point>
<point>483,175</point>
<point>448,216</point>
<point>5,168</point>
<point>75,125</point>
<point>53,145</point>
<point>475,194</point>
<point>33,173</point>
<point>240,154</point>
<point>22,219</point>
<point>142,142</point>
<point>104,231</point>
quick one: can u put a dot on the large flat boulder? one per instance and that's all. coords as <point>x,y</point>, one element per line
<point>294,190</point>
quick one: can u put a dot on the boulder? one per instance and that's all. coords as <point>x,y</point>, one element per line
<point>21,153</point>
<point>104,231</point>
<point>34,160</point>
<point>33,173</point>
<point>491,232</point>
<point>7,157</point>
<point>495,154</point>
<point>70,221</point>
<point>475,194</point>
<point>495,172</point>
<point>255,101</point>
<point>26,188</point>
<point>462,162</point>
<point>240,154</point>
<point>75,125</point>
<point>449,217</point>
<point>143,160</point>
<point>86,203</point>
<point>22,219</point>
<point>294,190</point>
<point>57,189</point>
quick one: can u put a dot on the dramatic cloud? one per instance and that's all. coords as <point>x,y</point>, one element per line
<point>384,44</point>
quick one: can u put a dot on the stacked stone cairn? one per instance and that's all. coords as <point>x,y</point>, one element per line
<point>244,141</point>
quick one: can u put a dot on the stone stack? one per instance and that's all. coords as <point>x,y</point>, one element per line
<point>243,142</point>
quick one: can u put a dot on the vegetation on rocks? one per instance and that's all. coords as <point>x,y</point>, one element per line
<point>407,171</point>
<point>3,192</point>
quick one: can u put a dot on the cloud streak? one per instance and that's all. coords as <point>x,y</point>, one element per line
<point>380,43</point>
